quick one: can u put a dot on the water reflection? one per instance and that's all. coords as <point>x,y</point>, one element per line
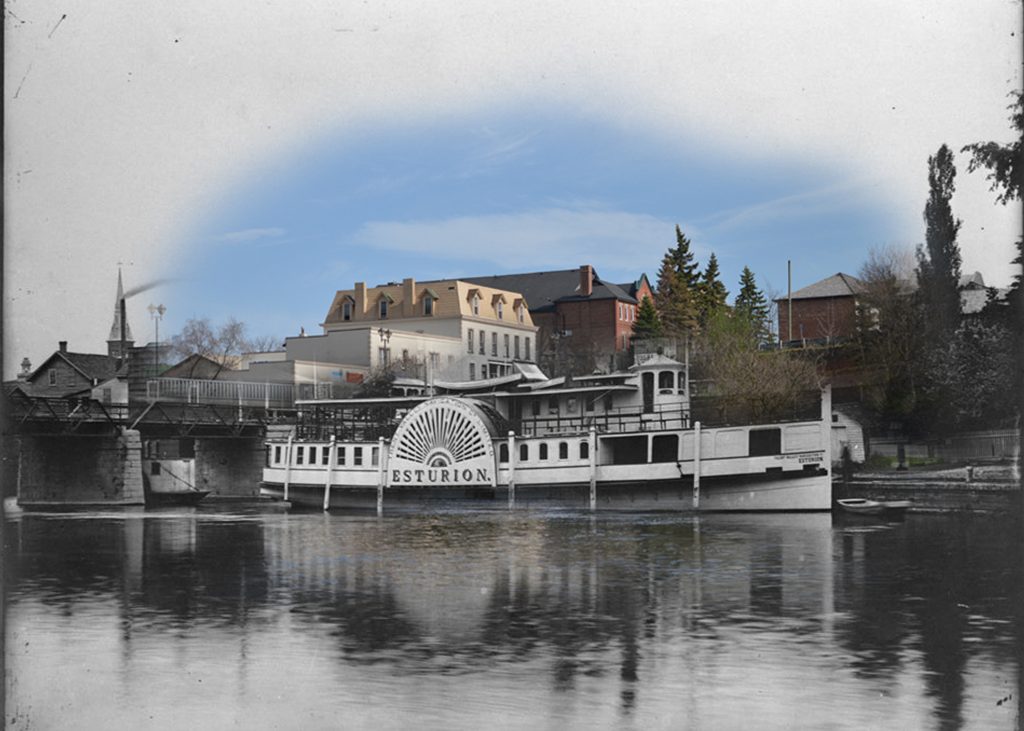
<point>464,618</point>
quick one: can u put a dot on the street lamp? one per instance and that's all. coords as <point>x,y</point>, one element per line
<point>385,337</point>
<point>157,313</point>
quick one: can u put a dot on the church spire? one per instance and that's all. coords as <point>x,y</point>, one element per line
<point>114,341</point>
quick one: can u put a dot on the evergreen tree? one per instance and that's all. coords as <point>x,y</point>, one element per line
<point>674,300</point>
<point>711,293</point>
<point>938,262</point>
<point>687,269</point>
<point>647,325</point>
<point>751,304</point>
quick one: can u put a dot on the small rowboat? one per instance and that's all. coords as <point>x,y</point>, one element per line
<point>882,509</point>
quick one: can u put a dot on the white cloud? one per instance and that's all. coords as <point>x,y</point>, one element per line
<point>610,240</point>
<point>251,234</point>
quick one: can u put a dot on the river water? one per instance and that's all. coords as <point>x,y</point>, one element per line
<point>220,617</point>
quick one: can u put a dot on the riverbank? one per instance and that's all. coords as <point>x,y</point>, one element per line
<point>974,488</point>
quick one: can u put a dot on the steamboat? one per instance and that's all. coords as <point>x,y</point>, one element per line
<point>628,440</point>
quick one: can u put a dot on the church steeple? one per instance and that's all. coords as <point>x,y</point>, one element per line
<point>114,341</point>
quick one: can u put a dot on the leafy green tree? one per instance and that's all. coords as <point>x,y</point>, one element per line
<point>747,382</point>
<point>969,379</point>
<point>938,262</point>
<point>648,324</point>
<point>1005,163</point>
<point>711,293</point>
<point>752,305</point>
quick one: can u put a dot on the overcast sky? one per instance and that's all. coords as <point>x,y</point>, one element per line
<point>267,155</point>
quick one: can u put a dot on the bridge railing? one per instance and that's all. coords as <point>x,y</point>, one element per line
<point>198,391</point>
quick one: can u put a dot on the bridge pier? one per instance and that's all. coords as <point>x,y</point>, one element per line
<point>63,469</point>
<point>230,466</point>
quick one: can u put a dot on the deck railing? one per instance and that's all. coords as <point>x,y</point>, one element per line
<point>198,391</point>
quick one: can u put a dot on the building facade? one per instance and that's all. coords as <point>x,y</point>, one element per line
<point>575,310</point>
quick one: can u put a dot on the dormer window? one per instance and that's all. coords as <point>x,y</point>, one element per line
<point>428,297</point>
<point>520,308</point>
<point>383,304</point>
<point>346,310</point>
<point>498,303</point>
<point>475,304</point>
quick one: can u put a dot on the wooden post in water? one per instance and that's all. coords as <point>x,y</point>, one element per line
<point>330,473</point>
<point>696,465</point>
<point>592,453</point>
<point>511,469</point>
<point>288,465</point>
<point>380,475</point>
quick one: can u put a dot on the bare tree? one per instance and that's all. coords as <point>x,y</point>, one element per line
<point>223,346</point>
<point>263,344</point>
<point>888,338</point>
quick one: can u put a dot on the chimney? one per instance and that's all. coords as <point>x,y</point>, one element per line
<point>63,345</point>
<point>409,296</point>
<point>586,280</point>
<point>361,298</point>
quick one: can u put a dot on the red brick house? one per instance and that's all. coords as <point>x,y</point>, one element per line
<point>823,312</point>
<point>576,306</point>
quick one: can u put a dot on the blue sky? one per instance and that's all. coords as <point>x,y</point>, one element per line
<point>507,193</point>
<point>268,158</point>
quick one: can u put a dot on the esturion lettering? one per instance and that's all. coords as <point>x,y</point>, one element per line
<point>440,476</point>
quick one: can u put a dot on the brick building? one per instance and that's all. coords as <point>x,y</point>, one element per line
<point>576,308</point>
<point>823,312</point>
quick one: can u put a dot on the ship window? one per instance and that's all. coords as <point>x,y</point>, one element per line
<point>503,452</point>
<point>325,455</point>
<point>665,448</point>
<point>357,456</point>
<point>277,455</point>
<point>524,452</point>
<point>312,455</point>
<point>341,455</point>
<point>154,469</point>
<point>375,456</point>
<point>300,455</point>
<point>666,380</point>
<point>563,450</point>
<point>543,451</point>
<point>584,450</point>
<point>764,442</point>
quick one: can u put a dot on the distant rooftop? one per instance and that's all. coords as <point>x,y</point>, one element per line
<point>838,285</point>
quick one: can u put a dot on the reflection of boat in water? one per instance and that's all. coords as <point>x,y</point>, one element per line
<point>891,509</point>
<point>170,482</point>
<point>623,440</point>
